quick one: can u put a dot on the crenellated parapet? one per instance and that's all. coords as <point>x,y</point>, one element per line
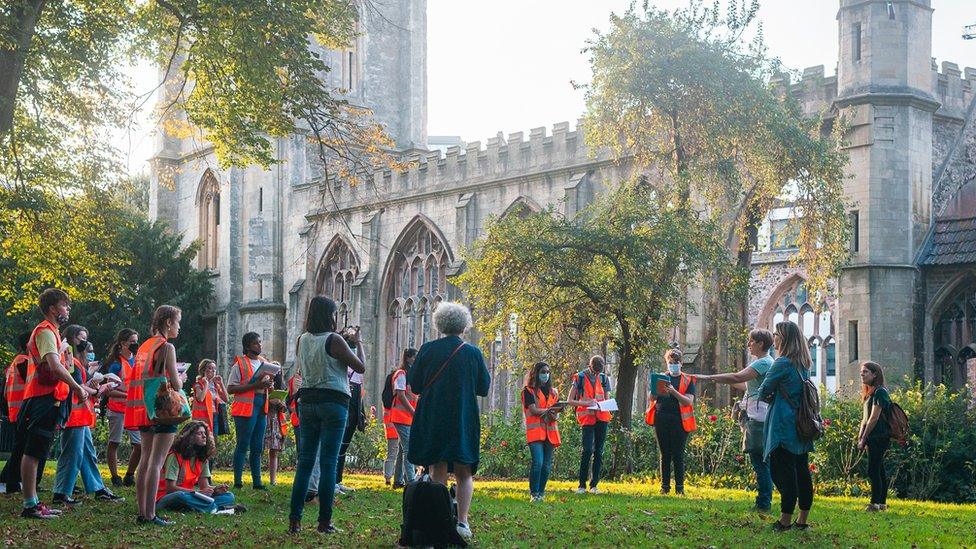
<point>815,91</point>
<point>499,158</point>
<point>953,88</point>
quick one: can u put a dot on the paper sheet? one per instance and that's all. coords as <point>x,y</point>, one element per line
<point>605,406</point>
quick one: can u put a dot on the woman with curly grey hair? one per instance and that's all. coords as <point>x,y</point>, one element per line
<point>449,375</point>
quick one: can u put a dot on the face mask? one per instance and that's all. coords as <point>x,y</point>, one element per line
<point>90,357</point>
<point>674,369</point>
<point>133,348</point>
<point>62,319</point>
<point>82,347</point>
<point>544,378</point>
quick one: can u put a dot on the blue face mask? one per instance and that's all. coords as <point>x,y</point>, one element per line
<point>543,378</point>
<point>674,369</point>
<point>90,357</point>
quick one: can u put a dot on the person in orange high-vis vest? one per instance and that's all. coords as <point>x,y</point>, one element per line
<point>591,385</point>
<point>673,417</point>
<point>249,409</point>
<point>541,412</point>
<point>393,466</point>
<point>15,381</point>
<point>208,393</point>
<point>187,470</point>
<point>47,386</point>
<point>77,448</point>
<point>120,360</point>
<point>402,410</point>
<point>156,357</point>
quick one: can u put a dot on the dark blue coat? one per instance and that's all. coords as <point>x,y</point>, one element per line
<point>447,423</point>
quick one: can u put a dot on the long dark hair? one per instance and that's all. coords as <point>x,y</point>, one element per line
<point>184,446</point>
<point>321,315</point>
<point>532,378</point>
<point>868,390</point>
<point>115,349</point>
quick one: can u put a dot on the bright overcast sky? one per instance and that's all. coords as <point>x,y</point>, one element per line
<point>506,65</point>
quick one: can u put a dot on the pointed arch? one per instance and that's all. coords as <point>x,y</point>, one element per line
<point>521,206</point>
<point>414,281</point>
<point>792,301</point>
<point>335,274</point>
<point>208,225</point>
<point>953,316</point>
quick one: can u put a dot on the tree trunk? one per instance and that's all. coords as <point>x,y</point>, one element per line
<point>24,16</point>
<point>623,448</point>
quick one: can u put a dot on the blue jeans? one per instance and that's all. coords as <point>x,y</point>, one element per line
<point>313,479</point>
<point>77,455</point>
<point>541,464</point>
<point>322,426</point>
<point>185,501</point>
<point>409,470</point>
<point>250,436</point>
<point>764,480</point>
<point>594,436</point>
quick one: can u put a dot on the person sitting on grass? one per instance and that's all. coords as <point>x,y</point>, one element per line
<point>186,475</point>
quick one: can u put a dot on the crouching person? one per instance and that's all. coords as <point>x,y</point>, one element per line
<point>186,474</point>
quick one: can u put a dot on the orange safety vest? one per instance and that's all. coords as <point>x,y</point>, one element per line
<point>203,411</point>
<point>243,404</point>
<point>39,382</point>
<point>186,478</point>
<point>136,415</point>
<point>293,405</point>
<point>590,417</point>
<point>687,412</point>
<point>117,404</point>
<point>536,428</point>
<point>13,389</point>
<point>82,413</point>
<point>391,432</point>
<point>400,413</point>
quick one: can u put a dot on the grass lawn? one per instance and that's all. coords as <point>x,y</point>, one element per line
<point>627,515</point>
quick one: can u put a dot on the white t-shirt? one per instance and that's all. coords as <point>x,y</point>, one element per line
<point>400,382</point>
<point>235,373</point>
<point>354,377</point>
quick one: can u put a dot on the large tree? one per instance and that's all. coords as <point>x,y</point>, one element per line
<point>693,104</point>
<point>239,74</point>
<point>616,273</point>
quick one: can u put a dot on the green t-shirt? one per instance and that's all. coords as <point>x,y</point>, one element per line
<point>46,344</point>
<point>172,468</point>
<point>881,429</point>
<point>761,366</point>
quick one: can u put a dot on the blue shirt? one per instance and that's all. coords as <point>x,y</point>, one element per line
<point>780,427</point>
<point>116,367</point>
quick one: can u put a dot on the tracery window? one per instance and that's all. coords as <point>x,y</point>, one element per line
<point>337,271</point>
<point>815,320</point>
<point>416,284</point>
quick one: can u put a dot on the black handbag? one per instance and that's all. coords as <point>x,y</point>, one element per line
<point>222,427</point>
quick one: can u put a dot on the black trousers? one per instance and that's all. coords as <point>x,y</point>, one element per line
<point>791,475</point>
<point>351,422</point>
<point>876,470</point>
<point>671,440</point>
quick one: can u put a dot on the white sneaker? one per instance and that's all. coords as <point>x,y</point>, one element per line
<point>464,531</point>
<point>344,489</point>
<point>595,490</point>
<point>339,491</point>
<point>224,511</point>
<point>581,490</point>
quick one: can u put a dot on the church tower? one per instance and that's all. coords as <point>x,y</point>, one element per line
<point>884,91</point>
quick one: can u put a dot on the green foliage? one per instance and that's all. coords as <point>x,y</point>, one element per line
<point>937,464</point>
<point>685,97</point>
<point>616,272</point>
<point>147,267</point>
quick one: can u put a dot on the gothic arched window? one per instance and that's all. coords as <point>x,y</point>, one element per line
<point>208,206</point>
<point>416,283</point>
<point>793,302</point>
<point>337,271</point>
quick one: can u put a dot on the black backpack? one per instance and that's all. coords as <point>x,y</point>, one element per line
<point>388,391</point>
<point>429,515</point>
